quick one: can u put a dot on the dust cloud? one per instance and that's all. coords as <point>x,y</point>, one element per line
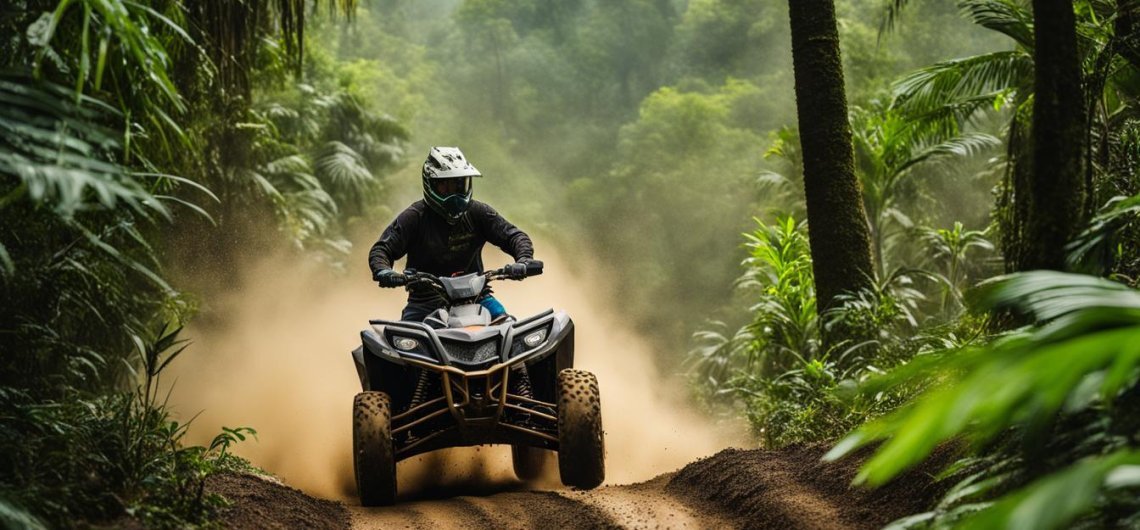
<point>275,356</point>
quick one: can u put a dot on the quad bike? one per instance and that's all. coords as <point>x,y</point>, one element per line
<point>459,379</point>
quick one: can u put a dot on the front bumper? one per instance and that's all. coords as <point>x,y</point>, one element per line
<point>476,408</point>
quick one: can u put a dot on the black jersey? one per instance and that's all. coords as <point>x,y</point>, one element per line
<point>437,247</point>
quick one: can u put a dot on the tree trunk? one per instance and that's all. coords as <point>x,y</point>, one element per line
<point>1057,191</point>
<point>839,234</point>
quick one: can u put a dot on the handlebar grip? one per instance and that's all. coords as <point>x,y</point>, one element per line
<point>533,268</point>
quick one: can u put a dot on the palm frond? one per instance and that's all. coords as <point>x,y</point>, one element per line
<point>966,145</point>
<point>1089,250</point>
<point>287,167</point>
<point>55,148</point>
<point>951,118</point>
<point>891,14</point>
<point>7,267</point>
<point>14,516</point>
<point>952,82</point>
<point>123,21</point>
<point>1009,17</point>
<point>1048,295</point>
<point>148,271</point>
<point>343,169</point>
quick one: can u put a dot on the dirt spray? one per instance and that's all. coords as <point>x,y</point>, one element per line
<point>274,355</point>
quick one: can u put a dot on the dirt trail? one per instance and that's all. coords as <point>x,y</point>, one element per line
<point>637,506</point>
<point>754,489</point>
<point>274,355</point>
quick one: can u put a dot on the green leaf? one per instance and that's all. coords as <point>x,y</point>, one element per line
<point>1058,499</point>
<point>7,267</point>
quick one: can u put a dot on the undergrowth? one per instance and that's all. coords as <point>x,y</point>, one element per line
<point>777,369</point>
<point>89,459</point>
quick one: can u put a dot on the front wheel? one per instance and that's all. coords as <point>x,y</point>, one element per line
<point>581,443</point>
<point>373,455</point>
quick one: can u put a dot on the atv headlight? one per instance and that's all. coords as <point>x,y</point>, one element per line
<point>405,344</point>
<point>531,340</point>
<point>534,339</point>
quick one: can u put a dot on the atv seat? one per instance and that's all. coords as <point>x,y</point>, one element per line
<point>459,317</point>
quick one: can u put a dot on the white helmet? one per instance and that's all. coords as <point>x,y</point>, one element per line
<point>447,182</point>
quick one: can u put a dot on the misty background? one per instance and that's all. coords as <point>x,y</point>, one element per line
<point>634,140</point>
<point>637,132</point>
<point>189,191</point>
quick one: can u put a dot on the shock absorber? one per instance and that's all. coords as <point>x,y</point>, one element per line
<point>419,395</point>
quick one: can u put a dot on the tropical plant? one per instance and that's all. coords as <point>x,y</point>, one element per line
<point>889,148</point>
<point>775,366</point>
<point>888,308</point>
<point>966,88</point>
<point>784,323</point>
<point>950,250</point>
<point>80,252</point>
<point>318,159</point>
<point>782,188</point>
<point>101,101</point>
<point>810,399</point>
<point>1098,247</point>
<point>1078,360</point>
<point>94,458</point>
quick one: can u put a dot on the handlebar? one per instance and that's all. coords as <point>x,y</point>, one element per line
<point>532,268</point>
<point>507,272</point>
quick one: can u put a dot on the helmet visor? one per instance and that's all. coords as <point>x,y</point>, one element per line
<point>451,186</point>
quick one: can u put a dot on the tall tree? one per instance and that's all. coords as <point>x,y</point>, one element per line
<point>840,239</point>
<point>1057,191</point>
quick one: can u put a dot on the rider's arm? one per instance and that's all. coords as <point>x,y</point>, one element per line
<point>502,233</point>
<point>393,243</point>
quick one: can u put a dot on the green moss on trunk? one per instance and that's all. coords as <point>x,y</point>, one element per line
<point>1057,192</point>
<point>840,238</point>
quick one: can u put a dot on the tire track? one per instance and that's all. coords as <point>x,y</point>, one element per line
<point>515,510</point>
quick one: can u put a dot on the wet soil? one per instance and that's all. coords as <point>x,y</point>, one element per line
<point>761,489</point>
<point>263,502</point>
<point>793,488</point>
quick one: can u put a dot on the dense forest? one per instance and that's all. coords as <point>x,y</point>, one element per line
<point>884,224</point>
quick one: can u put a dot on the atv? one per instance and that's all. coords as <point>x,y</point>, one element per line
<point>459,379</point>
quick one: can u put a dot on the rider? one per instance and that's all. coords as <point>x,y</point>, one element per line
<point>444,233</point>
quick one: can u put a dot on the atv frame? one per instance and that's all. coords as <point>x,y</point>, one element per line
<point>447,382</point>
<point>478,401</point>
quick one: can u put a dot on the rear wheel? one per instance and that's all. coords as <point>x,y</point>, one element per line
<point>372,449</point>
<point>528,461</point>
<point>581,451</point>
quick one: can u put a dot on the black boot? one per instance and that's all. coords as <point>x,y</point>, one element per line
<point>520,386</point>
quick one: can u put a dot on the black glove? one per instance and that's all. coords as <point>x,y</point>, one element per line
<point>515,271</point>
<point>533,266</point>
<point>523,268</point>
<point>390,278</point>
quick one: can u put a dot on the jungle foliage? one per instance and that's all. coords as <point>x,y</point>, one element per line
<point>651,133</point>
<point>1032,376</point>
<point>127,128</point>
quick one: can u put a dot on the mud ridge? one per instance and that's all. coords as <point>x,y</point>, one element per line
<point>793,488</point>
<point>263,502</point>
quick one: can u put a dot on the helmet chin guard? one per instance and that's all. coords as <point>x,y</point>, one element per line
<point>448,163</point>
